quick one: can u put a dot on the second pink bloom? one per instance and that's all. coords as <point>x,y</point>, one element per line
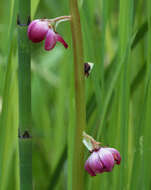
<point>102,160</point>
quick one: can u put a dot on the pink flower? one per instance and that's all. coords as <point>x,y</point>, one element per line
<point>102,160</point>
<point>39,30</point>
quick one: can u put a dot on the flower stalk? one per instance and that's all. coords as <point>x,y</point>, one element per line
<point>59,19</point>
<point>24,78</point>
<point>78,153</point>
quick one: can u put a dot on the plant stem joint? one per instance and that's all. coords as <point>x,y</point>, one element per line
<point>25,135</point>
<point>20,24</point>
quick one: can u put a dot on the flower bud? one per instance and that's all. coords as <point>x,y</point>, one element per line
<point>102,160</point>
<point>37,30</point>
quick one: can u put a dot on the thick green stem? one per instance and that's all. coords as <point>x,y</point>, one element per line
<point>24,77</point>
<point>78,153</point>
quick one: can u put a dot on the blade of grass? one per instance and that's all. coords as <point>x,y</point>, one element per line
<point>147,122</point>
<point>125,32</point>
<point>9,115</point>
<point>58,169</point>
<point>8,127</point>
<point>110,91</point>
<point>34,5</point>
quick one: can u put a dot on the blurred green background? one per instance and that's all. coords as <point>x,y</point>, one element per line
<point>117,39</point>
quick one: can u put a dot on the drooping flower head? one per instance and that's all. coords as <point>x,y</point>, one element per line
<point>102,159</point>
<point>41,29</point>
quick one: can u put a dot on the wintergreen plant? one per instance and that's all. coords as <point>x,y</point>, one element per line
<point>115,36</point>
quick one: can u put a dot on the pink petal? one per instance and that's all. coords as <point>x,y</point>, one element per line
<point>95,162</point>
<point>88,169</point>
<point>50,41</point>
<point>31,25</point>
<point>37,30</point>
<point>107,159</point>
<point>60,39</point>
<point>116,155</point>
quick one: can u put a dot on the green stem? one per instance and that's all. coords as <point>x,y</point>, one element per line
<point>24,77</point>
<point>78,153</point>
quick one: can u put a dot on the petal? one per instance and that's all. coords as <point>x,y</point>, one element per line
<point>37,30</point>
<point>50,41</point>
<point>116,155</point>
<point>95,163</point>
<point>31,25</point>
<point>88,169</point>
<point>60,39</point>
<point>107,159</point>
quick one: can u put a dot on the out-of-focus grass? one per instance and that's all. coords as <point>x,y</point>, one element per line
<point>9,173</point>
<point>118,94</point>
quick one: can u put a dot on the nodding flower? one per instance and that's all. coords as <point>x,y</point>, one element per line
<point>41,29</point>
<point>102,160</point>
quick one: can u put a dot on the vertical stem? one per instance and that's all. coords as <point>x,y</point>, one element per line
<point>78,164</point>
<point>24,77</point>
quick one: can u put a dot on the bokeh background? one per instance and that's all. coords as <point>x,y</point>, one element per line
<point>117,39</point>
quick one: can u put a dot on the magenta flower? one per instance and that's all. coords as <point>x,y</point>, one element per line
<point>102,160</point>
<point>39,30</point>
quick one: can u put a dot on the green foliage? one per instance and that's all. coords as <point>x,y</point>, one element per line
<point>117,38</point>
